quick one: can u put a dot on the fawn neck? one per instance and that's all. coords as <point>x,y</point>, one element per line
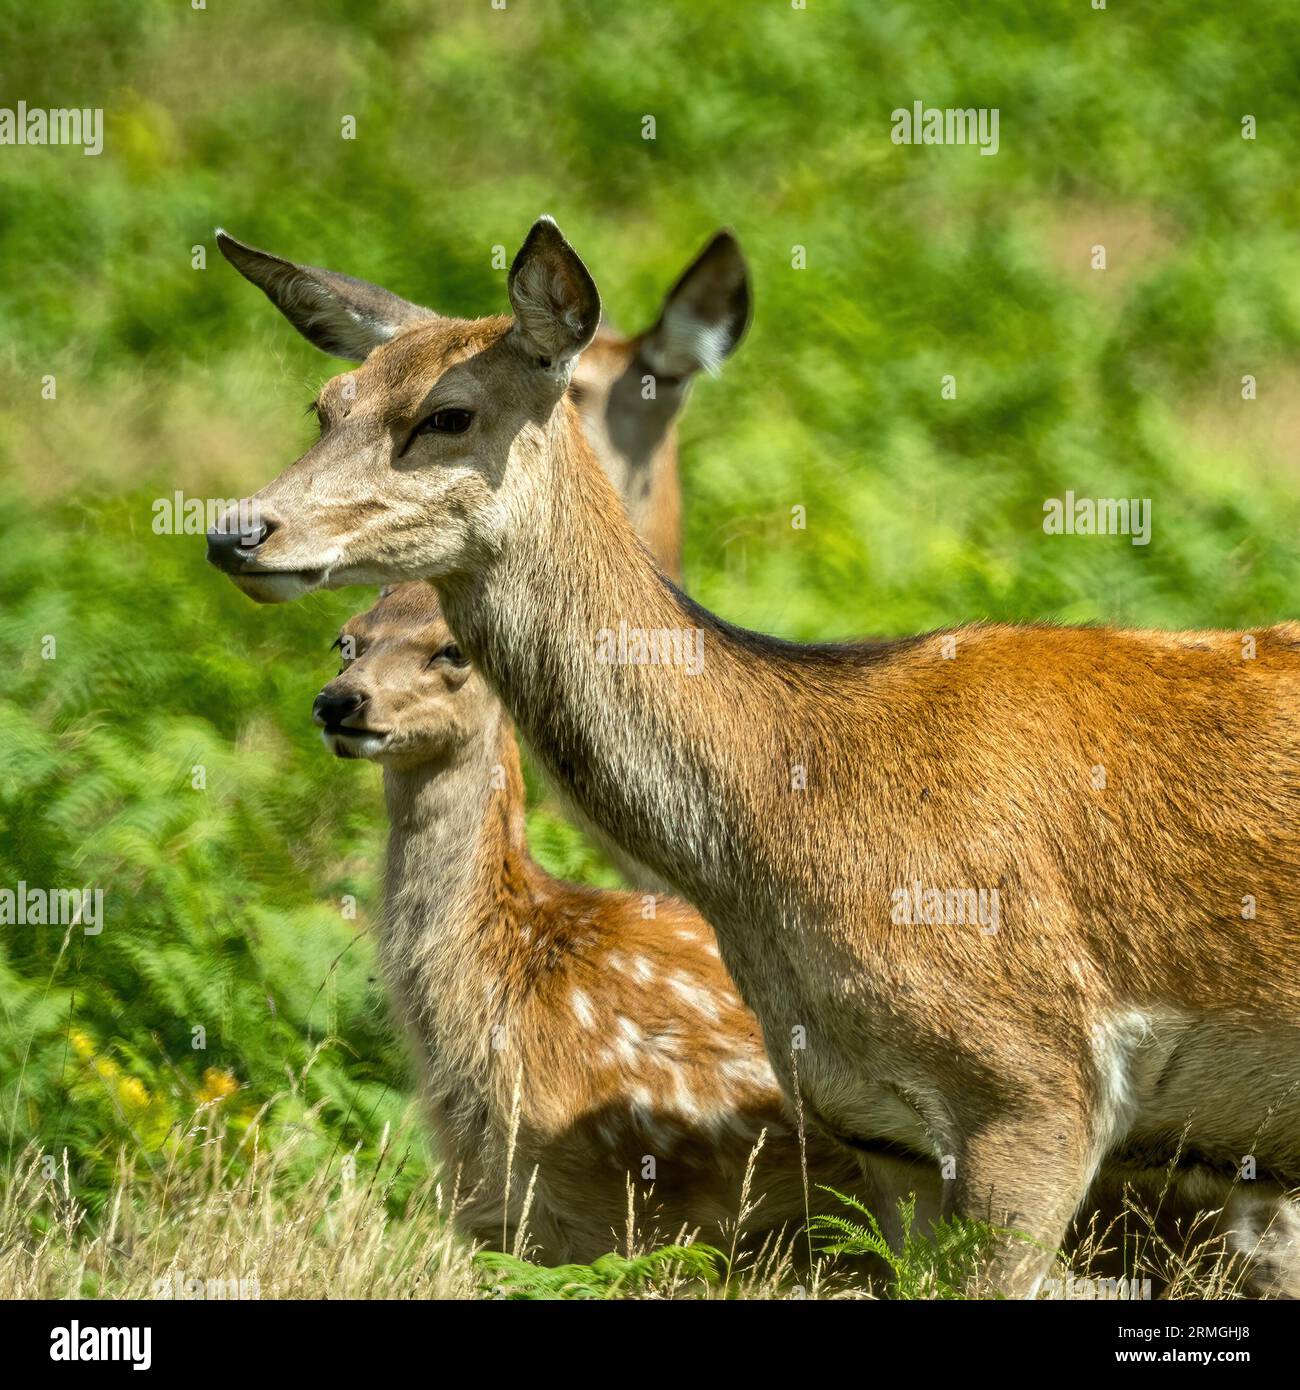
<point>451,948</point>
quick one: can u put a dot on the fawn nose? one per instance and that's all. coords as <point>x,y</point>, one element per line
<point>329,711</point>
<point>231,546</point>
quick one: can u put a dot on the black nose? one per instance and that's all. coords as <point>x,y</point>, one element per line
<point>228,549</point>
<point>330,711</point>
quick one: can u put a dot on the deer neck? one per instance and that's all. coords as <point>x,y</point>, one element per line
<point>456,849</point>
<point>561,621</point>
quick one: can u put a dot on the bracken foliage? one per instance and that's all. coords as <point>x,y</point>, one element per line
<point>245,907</point>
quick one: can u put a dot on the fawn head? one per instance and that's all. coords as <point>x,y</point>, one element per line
<point>406,694</point>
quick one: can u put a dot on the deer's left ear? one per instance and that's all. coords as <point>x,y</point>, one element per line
<point>556,303</point>
<point>342,316</point>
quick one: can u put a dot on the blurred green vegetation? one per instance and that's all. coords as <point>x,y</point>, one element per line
<point>225,905</point>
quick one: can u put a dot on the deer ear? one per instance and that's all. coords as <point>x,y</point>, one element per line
<point>342,316</point>
<point>704,315</point>
<point>556,303</point>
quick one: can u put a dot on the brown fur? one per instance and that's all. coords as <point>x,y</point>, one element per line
<point>635,440</point>
<point>789,791</point>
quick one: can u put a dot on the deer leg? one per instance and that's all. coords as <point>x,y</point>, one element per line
<point>1025,1174</point>
<point>892,1180</point>
<point>1264,1230</point>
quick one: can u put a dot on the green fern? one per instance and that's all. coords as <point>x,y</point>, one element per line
<point>938,1266</point>
<point>610,1276</point>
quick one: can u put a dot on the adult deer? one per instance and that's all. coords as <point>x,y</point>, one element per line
<point>610,1013</point>
<point>1132,797</point>
<point>629,390</point>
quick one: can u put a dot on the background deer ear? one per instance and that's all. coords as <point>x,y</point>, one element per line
<point>342,316</point>
<point>556,303</point>
<point>704,315</point>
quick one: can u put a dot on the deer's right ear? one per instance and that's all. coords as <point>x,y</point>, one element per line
<point>342,316</point>
<point>556,303</point>
<point>705,314</point>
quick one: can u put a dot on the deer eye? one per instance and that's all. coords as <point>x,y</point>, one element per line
<point>451,653</point>
<point>446,422</point>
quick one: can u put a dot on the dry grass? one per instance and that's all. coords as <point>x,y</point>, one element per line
<point>1183,1257</point>
<point>206,1215</point>
<point>221,1220</point>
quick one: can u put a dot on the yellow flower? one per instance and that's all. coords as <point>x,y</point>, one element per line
<point>217,1085</point>
<point>82,1043</point>
<point>131,1092</point>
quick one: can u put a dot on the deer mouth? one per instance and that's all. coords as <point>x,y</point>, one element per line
<point>351,741</point>
<point>242,557</point>
<point>278,586</point>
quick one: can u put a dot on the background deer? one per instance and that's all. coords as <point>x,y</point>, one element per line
<point>610,1012</point>
<point>1131,796</point>
<point>629,391</point>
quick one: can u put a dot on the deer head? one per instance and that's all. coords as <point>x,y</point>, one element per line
<point>406,694</point>
<point>426,447</point>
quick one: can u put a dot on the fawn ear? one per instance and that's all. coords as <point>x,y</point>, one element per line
<point>704,315</point>
<point>342,316</point>
<point>556,303</point>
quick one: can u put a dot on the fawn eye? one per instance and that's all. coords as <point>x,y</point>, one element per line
<point>451,653</point>
<point>446,422</point>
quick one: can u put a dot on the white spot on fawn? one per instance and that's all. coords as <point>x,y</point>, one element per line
<point>629,1036</point>
<point>582,1010</point>
<point>697,998</point>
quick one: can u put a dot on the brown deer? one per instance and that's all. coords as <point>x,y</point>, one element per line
<point>1132,798</point>
<point>610,1013</point>
<point>629,391</point>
